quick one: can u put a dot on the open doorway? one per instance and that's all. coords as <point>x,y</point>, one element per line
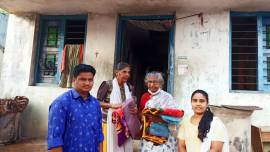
<point>145,43</point>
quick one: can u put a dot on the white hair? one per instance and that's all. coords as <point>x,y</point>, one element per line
<point>156,74</point>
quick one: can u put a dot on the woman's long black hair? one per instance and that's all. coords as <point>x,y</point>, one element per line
<point>205,123</point>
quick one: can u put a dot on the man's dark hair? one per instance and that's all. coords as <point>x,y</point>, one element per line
<point>83,68</point>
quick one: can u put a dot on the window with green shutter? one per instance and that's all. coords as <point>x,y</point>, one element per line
<point>268,37</point>
<point>52,36</point>
<point>55,33</point>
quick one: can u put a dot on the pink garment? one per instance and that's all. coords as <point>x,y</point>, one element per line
<point>133,123</point>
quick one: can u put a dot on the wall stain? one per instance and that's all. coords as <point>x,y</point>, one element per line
<point>239,144</point>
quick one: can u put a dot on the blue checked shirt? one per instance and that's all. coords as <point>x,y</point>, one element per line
<point>75,124</point>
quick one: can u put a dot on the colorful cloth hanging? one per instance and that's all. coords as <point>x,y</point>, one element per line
<point>72,55</point>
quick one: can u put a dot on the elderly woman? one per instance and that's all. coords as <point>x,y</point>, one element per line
<point>155,97</point>
<point>112,94</point>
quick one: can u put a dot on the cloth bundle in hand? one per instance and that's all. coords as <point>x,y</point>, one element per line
<point>159,129</point>
<point>132,120</point>
<point>173,112</point>
<point>151,115</point>
<point>121,126</point>
<point>170,119</point>
<point>153,118</point>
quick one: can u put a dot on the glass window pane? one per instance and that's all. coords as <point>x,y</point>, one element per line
<point>50,65</point>
<point>52,36</point>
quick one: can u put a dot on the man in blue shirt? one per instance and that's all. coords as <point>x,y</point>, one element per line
<point>74,123</point>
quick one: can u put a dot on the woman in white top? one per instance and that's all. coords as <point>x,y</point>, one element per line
<point>202,132</point>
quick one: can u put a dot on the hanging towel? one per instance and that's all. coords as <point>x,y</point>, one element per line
<point>72,55</point>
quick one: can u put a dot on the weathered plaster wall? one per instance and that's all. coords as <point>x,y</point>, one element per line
<point>208,56</point>
<point>16,72</point>
<point>1,57</point>
<point>100,46</point>
<point>127,6</point>
<point>3,30</point>
<point>206,48</point>
<point>18,52</point>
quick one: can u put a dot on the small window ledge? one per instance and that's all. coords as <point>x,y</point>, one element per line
<point>249,91</point>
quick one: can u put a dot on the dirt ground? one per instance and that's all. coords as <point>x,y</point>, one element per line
<point>37,145</point>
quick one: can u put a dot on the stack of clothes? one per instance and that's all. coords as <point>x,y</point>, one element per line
<point>120,125</point>
<point>126,124</point>
<point>160,123</point>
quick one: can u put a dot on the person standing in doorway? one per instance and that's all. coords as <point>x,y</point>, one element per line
<point>157,98</point>
<point>112,94</point>
<point>75,119</point>
<point>202,132</point>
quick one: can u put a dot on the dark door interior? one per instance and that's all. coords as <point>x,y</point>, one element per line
<point>145,50</point>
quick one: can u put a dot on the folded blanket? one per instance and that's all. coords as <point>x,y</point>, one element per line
<point>147,136</point>
<point>159,129</point>
<point>152,111</point>
<point>152,118</point>
<point>173,112</point>
<point>121,126</point>
<point>171,120</point>
<point>133,123</point>
<point>156,140</point>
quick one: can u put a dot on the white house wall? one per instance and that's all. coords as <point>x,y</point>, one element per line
<point>18,53</point>
<point>1,58</point>
<point>17,64</point>
<point>100,46</point>
<point>3,28</point>
<point>206,48</point>
<point>16,72</point>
